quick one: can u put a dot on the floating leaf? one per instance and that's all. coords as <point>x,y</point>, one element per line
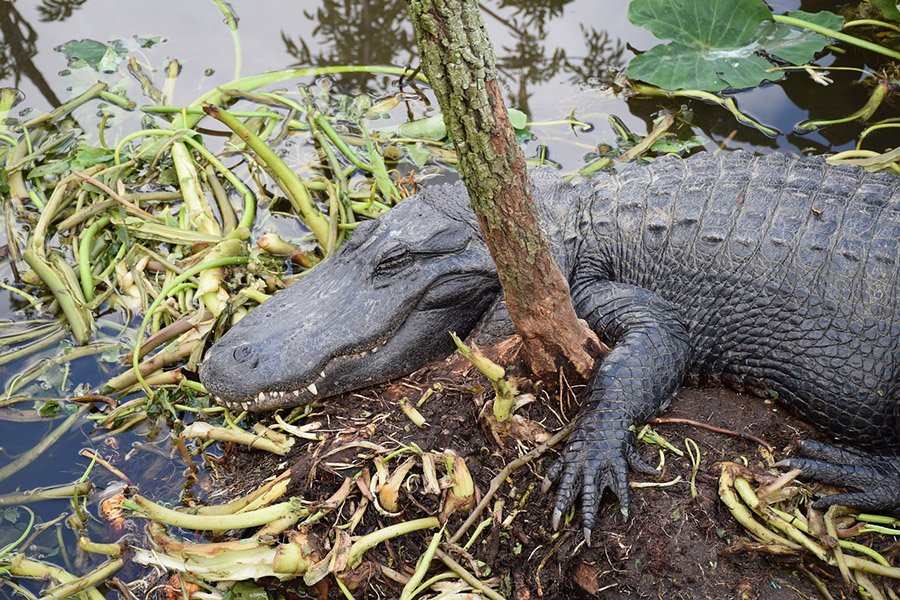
<point>889,8</point>
<point>719,44</point>
<point>431,128</point>
<point>97,55</point>
<point>517,118</point>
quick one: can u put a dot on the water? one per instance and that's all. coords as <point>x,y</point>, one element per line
<point>555,57</point>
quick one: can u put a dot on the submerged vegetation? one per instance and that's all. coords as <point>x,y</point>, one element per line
<point>133,251</point>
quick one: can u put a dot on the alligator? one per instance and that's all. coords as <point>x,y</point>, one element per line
<point>775,274</point>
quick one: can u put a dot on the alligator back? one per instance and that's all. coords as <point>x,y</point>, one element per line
<point>783,269</point>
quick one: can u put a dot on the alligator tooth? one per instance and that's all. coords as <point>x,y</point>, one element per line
<point>245,405</point>
<point>374,350</point>
<point>296,393</point>
<point>322,374</point>
<point>312,389</point>
<point>261,397</point>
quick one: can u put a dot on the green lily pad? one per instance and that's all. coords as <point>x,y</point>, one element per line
<point>719,44</point>
<point>97,55</point>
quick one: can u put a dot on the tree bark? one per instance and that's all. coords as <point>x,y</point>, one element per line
<point>458,59</point>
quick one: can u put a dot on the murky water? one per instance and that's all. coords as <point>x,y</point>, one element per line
<point>556,57</point>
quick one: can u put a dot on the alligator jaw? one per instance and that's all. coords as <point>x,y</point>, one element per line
<point>298,393</point>
<point>377,310</point>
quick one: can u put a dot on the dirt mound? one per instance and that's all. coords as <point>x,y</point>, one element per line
<point>672,546</point>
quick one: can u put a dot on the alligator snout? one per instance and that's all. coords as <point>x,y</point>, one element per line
<point>246,356</point>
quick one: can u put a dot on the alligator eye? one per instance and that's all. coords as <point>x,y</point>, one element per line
<point>393,260</point>
<point>246,356</point>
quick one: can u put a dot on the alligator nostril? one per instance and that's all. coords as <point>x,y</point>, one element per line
<point>246,355</point>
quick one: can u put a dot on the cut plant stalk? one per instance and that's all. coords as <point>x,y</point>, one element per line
<point>46,493</point>
<point>504,389</point>
<point>19,565</point>
<point>204,431</point>
<point>147,509</point>
<point>234,260</point>
<point>199,212</point>
<point>238,560</point>
<point>461,494</point>
<point>85,582</point>
<point>67,107</point>
<point>48,440</point>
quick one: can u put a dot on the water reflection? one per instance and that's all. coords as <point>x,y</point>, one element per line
<point>531,47</point>
<point>18,44</point>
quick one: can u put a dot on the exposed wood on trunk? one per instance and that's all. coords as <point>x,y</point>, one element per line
<point>458,59</point>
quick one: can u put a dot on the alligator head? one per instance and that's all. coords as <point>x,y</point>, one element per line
<point>377,310</point>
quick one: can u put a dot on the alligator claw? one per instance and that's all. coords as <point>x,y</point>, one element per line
<point>875,477</point>
<point>591,463</point>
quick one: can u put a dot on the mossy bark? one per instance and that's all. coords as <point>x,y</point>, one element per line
<point>458,59</point>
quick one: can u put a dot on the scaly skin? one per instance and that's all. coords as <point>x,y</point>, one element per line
<point>774,275</point>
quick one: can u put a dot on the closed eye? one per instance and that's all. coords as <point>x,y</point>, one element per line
<point>394,260</point>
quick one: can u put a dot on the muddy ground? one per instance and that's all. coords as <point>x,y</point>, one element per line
<point>671,547</point>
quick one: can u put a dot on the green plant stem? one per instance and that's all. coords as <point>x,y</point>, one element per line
<point>727,103</point>
<point>249,213</point>
<point>77,316</point>
<point>422,567</point>
<point>20,565</point>
<point>837,35</point>
<point>253,82</point>
<point>163,294</point>
<point>323,124</point>
<point>863,114</point>
<point>871,23</point>
<point>67,107</point>
<point>84,257</point>
<point>467,577</point>
<point>252,518</point>
<point>40,344</point>
<point>198,210</point>
<point>232,23</point>
<point>48,440</point>
<point>120,101</point>
<point>367,542</point>
<point>34,302</point>
<point>288,180</point>
<point>85,582</point>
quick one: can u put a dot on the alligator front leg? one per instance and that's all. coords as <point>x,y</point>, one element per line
<point>636,380</point>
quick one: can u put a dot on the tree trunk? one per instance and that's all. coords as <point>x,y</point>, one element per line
<point>458,59</point>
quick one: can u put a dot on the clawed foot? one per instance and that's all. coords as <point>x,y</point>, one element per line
<point>596,458</point>
<point>875,477</point>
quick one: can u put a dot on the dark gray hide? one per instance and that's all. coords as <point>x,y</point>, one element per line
<point>776,275</point>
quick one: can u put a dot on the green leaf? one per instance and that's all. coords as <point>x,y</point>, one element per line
<point>418,153</point>
<point>719,44</point>
<point>431,128</point>
<point>88,156</point>
<point>517,118</point>
<point>97,55</point>
<point>798,46</point>
<point>709,23</point>
<point>889,8</point>
<point>50,169</point>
